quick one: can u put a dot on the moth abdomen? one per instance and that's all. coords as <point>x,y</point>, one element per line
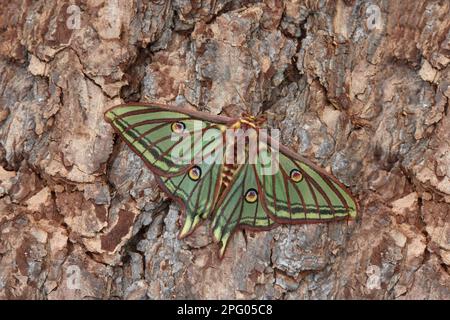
<point>228,173</point>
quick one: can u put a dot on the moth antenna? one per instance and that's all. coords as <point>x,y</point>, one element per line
<point>273,115</point>
<point>248,111</point>
<point>237,91</point>
<point>225,112</point>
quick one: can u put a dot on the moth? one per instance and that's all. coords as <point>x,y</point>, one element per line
<point>211,172</point>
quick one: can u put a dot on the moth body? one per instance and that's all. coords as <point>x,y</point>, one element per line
<point>235,191</point>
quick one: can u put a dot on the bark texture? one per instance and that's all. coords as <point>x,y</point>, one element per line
<point>360,87</point>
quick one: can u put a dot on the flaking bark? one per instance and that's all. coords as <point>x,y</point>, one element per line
<point>361,88</point>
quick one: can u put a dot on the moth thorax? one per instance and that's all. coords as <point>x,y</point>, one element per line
<point>247,123</point>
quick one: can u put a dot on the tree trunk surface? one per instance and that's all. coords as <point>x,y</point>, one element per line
<point>360,88</point>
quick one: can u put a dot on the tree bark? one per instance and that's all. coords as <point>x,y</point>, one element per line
<point>361,88</point>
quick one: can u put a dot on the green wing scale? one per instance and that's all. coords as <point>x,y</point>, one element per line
<point>150,132</point>
<point>300,193</point>
<point>196,191</point>
<point>193,173</point>
<point>240,207</point>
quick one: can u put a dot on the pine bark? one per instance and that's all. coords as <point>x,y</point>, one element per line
<point>361,88</point>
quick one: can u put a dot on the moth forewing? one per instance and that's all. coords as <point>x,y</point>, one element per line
<point>181,153</point>
<point>213,142</point>
<point>268,155</point>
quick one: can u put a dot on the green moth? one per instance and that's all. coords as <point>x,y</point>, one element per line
<point>243,179</point>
